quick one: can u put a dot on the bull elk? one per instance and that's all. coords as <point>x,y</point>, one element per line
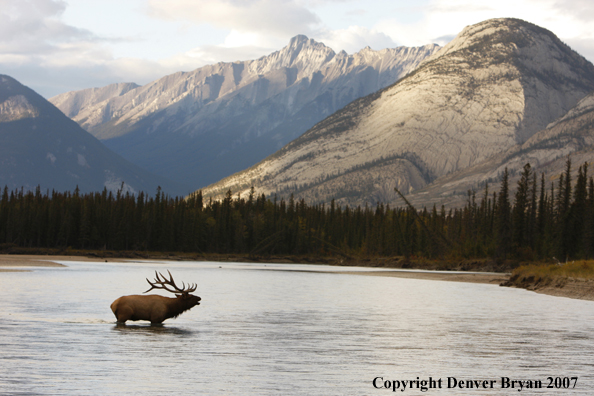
<point>153,307</point>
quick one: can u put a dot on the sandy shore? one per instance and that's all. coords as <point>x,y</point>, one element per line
<point>572,288</point>
<point>442,276</point>
<point>8,260</point>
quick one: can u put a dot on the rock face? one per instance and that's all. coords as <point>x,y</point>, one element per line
<point>200,126</point>
<point>40,146</point>
<point>74,103</point>
<point>493,87</point>
<point>571,135</point>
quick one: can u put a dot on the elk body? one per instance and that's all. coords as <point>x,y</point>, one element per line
<point>155,308</point>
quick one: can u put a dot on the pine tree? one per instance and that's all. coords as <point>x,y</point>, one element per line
<point>542,218</point>
<point>521,202</point>
<point>565,242</point>
<point>503,216</point>
<point>577,215</point>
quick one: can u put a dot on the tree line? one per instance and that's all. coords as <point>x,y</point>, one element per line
<point>539,221</point>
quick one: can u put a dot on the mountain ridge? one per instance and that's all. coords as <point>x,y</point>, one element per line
<point>208,123</point>
<point>568,137</point>
<point>494,86</point>
<point>40,146</point>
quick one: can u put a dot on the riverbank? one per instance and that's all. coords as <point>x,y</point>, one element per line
<point>14,253</point>
<point>428,267</point>
<point>50,261</point>
<point>493,273</point>
<point>12,263</point>
<point>491,278</point>
<point>581,289</point>
<point>574,279</point>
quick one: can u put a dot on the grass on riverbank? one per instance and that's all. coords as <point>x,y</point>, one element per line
<point>539,275</point>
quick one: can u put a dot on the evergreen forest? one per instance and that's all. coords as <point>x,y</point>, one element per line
<point>539,222</point>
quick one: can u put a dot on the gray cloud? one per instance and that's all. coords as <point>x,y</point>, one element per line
<point>40,50</point>
<point>33,27</point>
<point>354,39</point>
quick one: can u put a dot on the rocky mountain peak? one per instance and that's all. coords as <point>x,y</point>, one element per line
<point>486,32</point>
<point>521,52</point>
<point>18,102</point>
<point>494,86</point>
<point>529,47</point>
<point>13,103</point>
<point>199,126</point>
<point>300,39</point>
<point>304,54</point>
<point>10,87</point>
<point>495,38</point>
<point>71,103</point>
<point>40,146</point>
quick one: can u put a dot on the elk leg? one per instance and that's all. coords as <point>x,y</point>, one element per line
<point>123,314</point>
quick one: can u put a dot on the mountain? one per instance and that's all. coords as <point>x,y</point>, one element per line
<point>493,87</point>
<point>75,102</point>
<point>570,136</point>
<point>40,146</point>
<point>198,127</point>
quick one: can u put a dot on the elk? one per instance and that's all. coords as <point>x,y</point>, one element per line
<point>153,307</point>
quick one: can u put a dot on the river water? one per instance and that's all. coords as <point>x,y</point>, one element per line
<point>279,330</point>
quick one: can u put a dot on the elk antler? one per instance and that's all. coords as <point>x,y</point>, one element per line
<point>162,284</point>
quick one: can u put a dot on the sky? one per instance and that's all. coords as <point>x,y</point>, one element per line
<point>56,46</point>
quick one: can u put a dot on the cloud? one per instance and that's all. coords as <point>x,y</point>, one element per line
<point>569,19</point>
<point>356,13</point>
<point>210,54</point>
<point>442,20</point>
<point>40,50</point>
<point>277,17</point>
<point>35,45</point>
<point>354,38</point>
<point>52,56</point>
<point>581,10</point>
<point>34,27</point>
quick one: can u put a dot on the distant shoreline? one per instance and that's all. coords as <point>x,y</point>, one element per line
<point>490,278</point>
<point>15,261</point>
<point>572,288</point>
<point>7,260</point>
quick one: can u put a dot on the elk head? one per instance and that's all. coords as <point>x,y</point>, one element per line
<point>153,307</point>
<point>183,293</point>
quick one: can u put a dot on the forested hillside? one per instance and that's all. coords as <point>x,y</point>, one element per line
<point>538,222</point>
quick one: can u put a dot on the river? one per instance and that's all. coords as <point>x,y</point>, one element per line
<point>274,329</point>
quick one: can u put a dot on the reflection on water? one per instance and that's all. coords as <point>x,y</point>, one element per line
<point>156,329</point>
<point>266,332</point>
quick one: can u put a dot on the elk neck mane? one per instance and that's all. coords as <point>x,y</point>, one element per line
<point>180,306</point>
